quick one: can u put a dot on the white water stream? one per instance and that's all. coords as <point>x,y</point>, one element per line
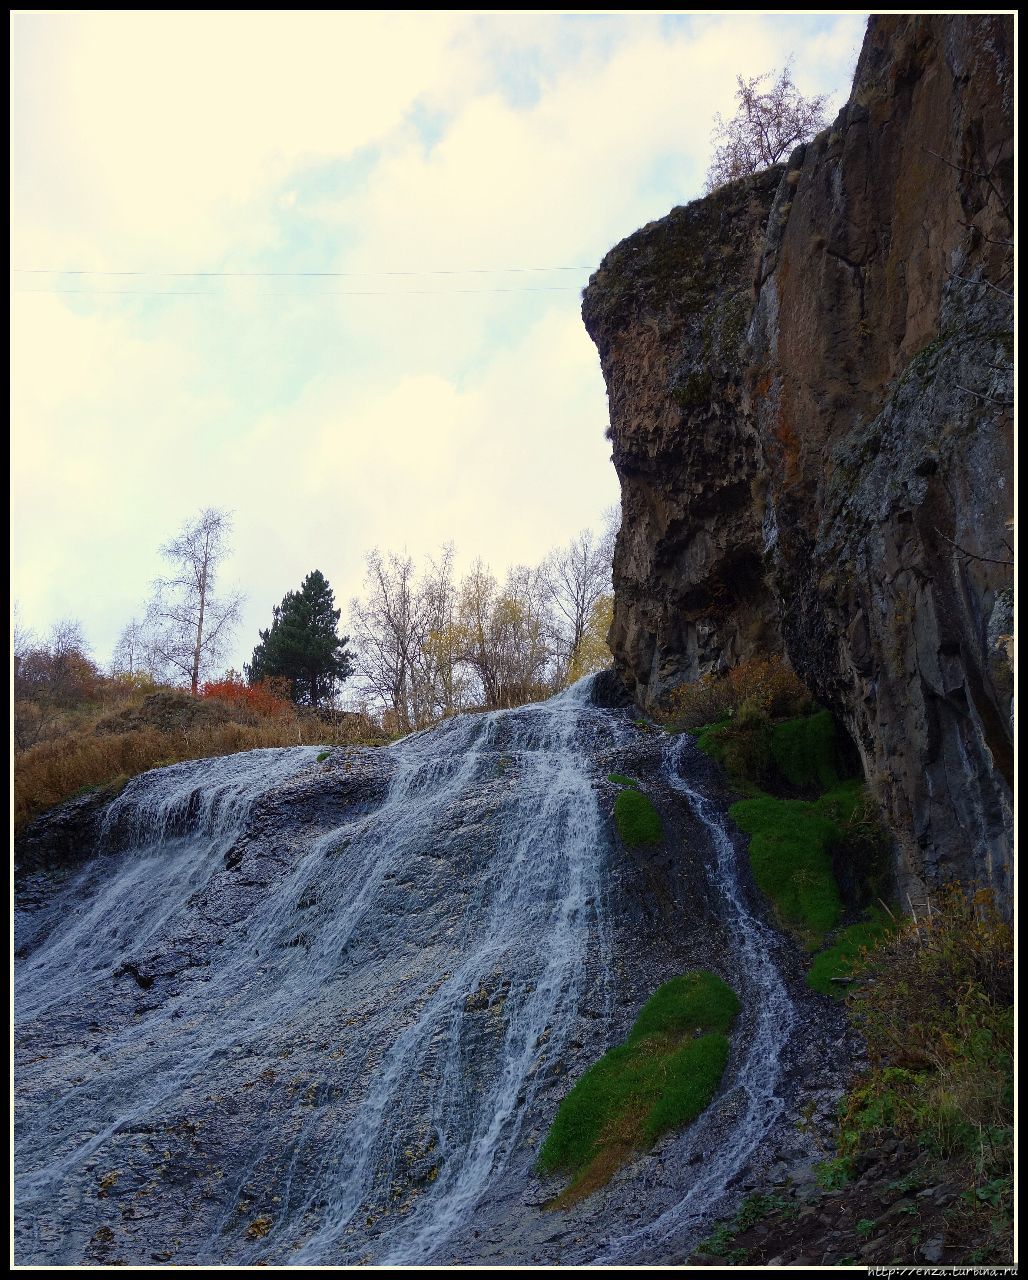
<point>353,1015</point>
<point>757,1076</point>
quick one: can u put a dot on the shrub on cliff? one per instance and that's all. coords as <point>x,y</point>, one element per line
<point>767,125</point>
<point>757,688</point>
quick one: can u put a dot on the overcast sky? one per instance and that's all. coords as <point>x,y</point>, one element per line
<point>436,386</point>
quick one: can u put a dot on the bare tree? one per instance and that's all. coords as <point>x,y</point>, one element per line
<point>765,128</point>
<point>388,633</point>
<point>444,686</point>
<point>135,653</point>
<point>574,578</point>
<point>190,624</point>
<point>23,638</point>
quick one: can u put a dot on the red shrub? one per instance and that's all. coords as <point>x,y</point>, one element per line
<point>264,699</point>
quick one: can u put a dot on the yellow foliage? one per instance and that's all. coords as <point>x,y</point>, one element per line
<point>592,653</point>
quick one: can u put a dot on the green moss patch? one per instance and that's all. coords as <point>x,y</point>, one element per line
<point>805,751</point>
<point>798,844</point>
<point>838,960</point>
<point>637,820</point>
<point>802,754</point>
<point>622,781</point>
<point>790,854</point>
<point>661,1078</point>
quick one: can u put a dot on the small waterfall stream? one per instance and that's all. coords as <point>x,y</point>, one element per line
<point>755,1083</point>
<point>332,1030</point>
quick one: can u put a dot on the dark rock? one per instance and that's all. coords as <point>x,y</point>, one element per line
<point>933,1250</point>
<point>609,690</point>
<point>828,470</point>
<point>62,837</point>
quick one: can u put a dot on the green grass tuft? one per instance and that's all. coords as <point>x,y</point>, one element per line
<point>695,1001</point>
<point>622,781</point>
<point>637,820</point>
<point>661,1078</point>
<point>790,843</point>
<point>837,961</point>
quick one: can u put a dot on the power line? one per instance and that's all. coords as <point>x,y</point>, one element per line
<point>300,293</point>
<point>339,275</point>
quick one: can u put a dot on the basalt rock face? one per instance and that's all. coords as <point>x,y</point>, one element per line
<point>668,310</point>
<point>839,483</point>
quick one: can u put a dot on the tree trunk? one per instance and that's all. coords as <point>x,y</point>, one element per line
<point>199,620</point>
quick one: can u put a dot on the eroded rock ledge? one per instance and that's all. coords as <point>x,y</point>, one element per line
<point>810,377</point>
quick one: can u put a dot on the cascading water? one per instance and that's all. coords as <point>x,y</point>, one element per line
<point>755,1091</point>
<point>321,1013</point>
<point>414,956</point>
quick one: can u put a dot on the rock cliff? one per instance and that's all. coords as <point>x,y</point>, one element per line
<point>810,376</point>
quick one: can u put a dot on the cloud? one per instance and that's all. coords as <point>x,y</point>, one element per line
<point>347,142</point>
<point>173,126</point>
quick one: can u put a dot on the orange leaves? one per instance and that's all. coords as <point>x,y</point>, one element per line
<point>266,698</point>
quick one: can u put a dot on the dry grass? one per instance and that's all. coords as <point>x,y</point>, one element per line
<point>53,771</point>
<point>936,1007</point>
<point>762,688</point>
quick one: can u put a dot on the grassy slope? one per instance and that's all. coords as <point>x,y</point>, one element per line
<point>82,760</point>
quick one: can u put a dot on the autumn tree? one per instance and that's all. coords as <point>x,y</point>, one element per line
<point>574,577</point>
<point>191,625</point>
<point>769,122</point>
<point>302,644</point>
<point>592,653</point>
<point>431,645</point>
<point>508,635</point>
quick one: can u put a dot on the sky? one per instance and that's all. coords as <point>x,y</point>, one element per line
<point>324,271</point>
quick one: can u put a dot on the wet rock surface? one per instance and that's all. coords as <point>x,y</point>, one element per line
<point>291,1010</point>
<point>832,472</point>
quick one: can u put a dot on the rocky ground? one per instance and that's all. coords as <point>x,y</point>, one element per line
<point>901,1208</point>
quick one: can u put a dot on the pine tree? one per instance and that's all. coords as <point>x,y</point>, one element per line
<point>302,645</point>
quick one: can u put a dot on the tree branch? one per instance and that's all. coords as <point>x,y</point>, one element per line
<point>972,554</point>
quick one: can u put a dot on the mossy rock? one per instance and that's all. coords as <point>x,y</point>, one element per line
<point>662,1077</point>
<point>637,820</point>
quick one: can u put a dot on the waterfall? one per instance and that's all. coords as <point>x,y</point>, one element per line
<point>385,983</point>
<point>320,1012</point>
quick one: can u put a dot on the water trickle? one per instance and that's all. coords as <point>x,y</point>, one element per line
<point>756,1074</point>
